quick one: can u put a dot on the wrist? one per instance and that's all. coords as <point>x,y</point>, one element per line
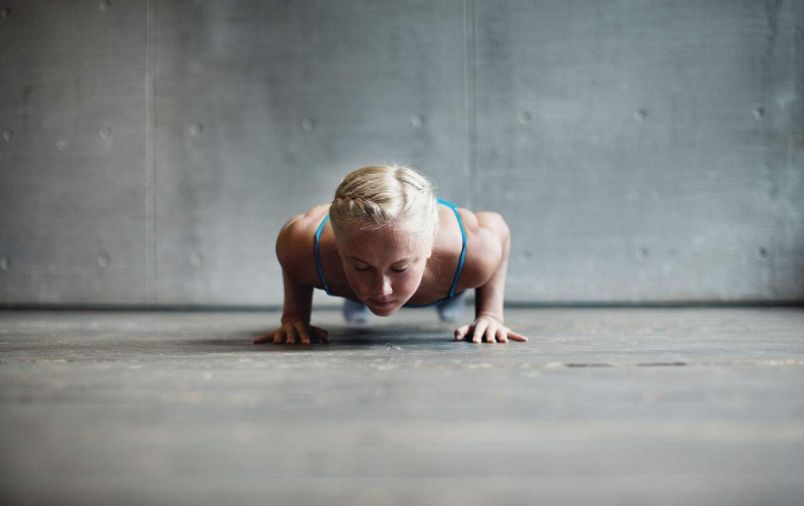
<point>292,318</point>
<point>493,316</point>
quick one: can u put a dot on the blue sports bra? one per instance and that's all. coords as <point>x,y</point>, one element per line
<point>455,278</point>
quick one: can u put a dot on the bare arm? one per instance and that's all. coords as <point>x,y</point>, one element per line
<point>489,297</point>
<point>298,300</point>
<point>494,237</point>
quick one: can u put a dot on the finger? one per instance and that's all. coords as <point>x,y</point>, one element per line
<point>502,334</point>
<point>321,334</point>
<point>460,333</point>
<point>480,329</point>
<point>278,336</point>
<point>516,336</point>
<point>291,335</point>
<point>264,338</point>
<point>491,333</point>
<point>303,334</point>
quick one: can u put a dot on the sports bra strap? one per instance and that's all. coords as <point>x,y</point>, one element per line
<point>459,270</point>
<point>316,251</point>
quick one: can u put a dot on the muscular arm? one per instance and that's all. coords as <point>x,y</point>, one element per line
<point>293,251</point>
<point>492,242</point>
<point>298,299</point>
<point>490,296</point>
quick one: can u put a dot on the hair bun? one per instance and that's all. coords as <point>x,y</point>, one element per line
<point>375,196</point>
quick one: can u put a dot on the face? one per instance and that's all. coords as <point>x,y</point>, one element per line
<point>384,267</point>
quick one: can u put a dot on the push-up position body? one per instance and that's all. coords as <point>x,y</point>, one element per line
<point>387,241</point>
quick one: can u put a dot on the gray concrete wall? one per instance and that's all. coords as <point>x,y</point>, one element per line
<point>642,151</point>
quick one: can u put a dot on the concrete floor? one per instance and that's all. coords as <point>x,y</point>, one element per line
<point>602,406</point>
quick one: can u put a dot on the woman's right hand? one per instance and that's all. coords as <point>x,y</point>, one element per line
<point>292,332</point>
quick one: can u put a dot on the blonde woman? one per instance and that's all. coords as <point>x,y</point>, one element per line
<point>386,242</point>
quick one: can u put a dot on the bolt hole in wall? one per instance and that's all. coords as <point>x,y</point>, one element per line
<point>759,112</point>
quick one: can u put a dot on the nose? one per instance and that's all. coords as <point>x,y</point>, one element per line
<point>384,288</point>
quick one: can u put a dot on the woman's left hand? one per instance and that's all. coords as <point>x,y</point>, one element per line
<point>489,329</point>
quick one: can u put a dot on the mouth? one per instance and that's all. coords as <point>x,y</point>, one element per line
<point>377,303</point>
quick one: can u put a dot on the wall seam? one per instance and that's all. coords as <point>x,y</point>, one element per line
<point>151,268</point>
<point>469,29</point>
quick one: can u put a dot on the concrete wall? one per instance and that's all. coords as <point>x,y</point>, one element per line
<point>641,151</point>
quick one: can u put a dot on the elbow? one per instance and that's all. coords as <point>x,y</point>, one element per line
<point>503,232</point>
<point>284,239</point>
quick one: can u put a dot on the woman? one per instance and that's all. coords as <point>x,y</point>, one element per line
<point>386,241</point>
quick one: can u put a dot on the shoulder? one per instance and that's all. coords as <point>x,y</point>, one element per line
<point>487,242</point>
<point>294,244</point>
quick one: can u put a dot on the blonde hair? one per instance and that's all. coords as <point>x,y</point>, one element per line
<point>376,196</point>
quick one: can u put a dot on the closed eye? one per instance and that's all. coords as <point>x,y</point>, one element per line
<point>366,269</point>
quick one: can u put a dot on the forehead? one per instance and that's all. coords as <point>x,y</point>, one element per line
<point>391,238</point>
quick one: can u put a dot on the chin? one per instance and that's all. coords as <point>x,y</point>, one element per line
<point>378,312</point>
<point>383,310</point>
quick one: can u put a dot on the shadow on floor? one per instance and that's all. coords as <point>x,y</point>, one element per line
<point>340,337</point>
